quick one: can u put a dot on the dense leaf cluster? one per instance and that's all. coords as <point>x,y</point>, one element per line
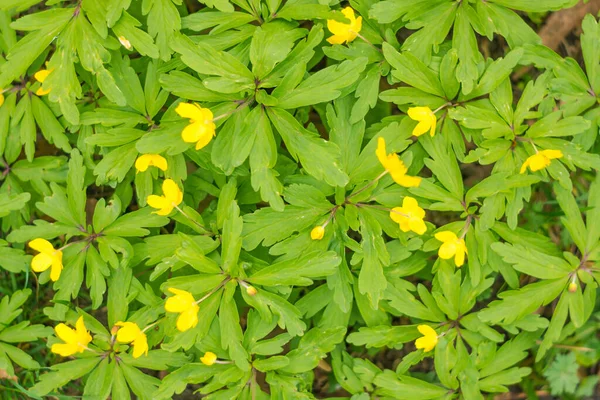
<point>290,236</point>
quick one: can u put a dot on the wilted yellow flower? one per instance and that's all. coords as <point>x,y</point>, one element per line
<point>183,303</point>
<point>429,339</point>
<point>344,32</point>
<point>75,340</point>
<point>427,120</point>
<point>540,160</point>
<point>317,232</point>
<point>209,358</point>
<point>146,160</point>
<point>48,257</point>
<point>251,291</point>
<point>395,166</point>
<point>130,332</point>
<point>125,42</point>
<point>572,287</point>
<point>171,198</point>
<point>409,216</point>
<point>41,76</point>
<point>452,246</point>
<point>201,128</point>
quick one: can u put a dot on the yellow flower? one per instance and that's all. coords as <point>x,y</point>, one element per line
<point>209,358</point>
<point>540,160</point>
<point>75,340</point>
<point>41,76</point>
<point>409,216</point>
<point>171,198</point>
<point>344,32</point>
<point>146,160</point>
<point>429,339</point>
<point>395,166</point>
<point>130,332</point>
<point>48,257</point>
<point>201,128</point>
<point>183,303</point>
<point>1,98</point>
<point>317,232</point>
<point>452,246</point>
<point>427,120</point>
<point>125,42</point>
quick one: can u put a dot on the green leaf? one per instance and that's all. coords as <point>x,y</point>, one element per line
<point>409,69</point>
<point>10,203</point>
<point>532,262</point>
<point>405,388</point>
<point>64,373</point>
<point>562,374</point>
<point>297,271</point>
<point>271,43</point>
<point>163,23</point>
<point>324,85</point>
<point>313,346</point>
<point>371,280</point>
<point>318,157</point>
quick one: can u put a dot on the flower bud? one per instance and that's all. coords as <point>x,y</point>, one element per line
<point>572,287</point>
<point>209,358</point>
<point>251,290</point>
<point>317,233</point>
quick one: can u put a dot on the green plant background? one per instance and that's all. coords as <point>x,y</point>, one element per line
<point>335,317</point>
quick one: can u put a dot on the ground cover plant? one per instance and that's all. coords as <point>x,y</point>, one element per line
<point>297,199</point>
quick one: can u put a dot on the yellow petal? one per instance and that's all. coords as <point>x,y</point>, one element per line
<point>83,336</point>
<point>381,152</point>
<point>188,319</point>
<point>160,162</point>
<point>181,302</point>
<point>459,259</point>
<point>155,201</point>
<point>190,111</point>
<point>205,137</point>
<point>552,154</point>
<point>426,330</point>
<point>140,346</point>
<point>66,334</point>
<point>56,269</point>
<point>42,74</point>
<point>418,226</point>
<point>421,128</point>
<point>42,245</point>
<point>407,180</point>
<point>447,250</point>
<point>143,162</point>
<point>172,192</point>
<point>433,124</point>
<point>524,166</point>
<point>192,132</point>
<point>1,99</point>
<point>65,349</point>
<point>538,162</point>
<point>446,236</point>
<point>419,113</point>
<point>398,214</point>
<point>128,332</point>
<point>42,92</point>
<point>41,262</point>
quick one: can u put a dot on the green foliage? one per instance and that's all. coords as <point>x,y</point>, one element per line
<point>227,151</point>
